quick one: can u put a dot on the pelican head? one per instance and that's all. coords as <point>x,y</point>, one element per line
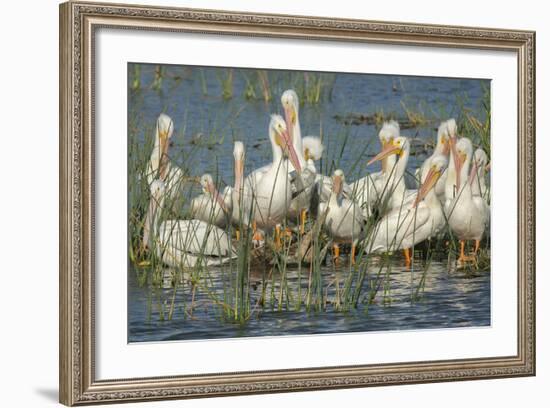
<point>463,155</point>
<point>390,130</point>
<point>206,181</point>
<point>397,146</point>
<point>238,150</point>
<point>164,130</point>
<point>443,139</point>
<point>430,179</point>
<point>279,137</point>
<point>313,148</point>
<point>480,158</point>
<point>290,102</point>
<point>338,180</point>
<point>452,128</point>
<point>479,161</point>
<point>452,133</point>
<point>165,126</point>
<point>208,187</point>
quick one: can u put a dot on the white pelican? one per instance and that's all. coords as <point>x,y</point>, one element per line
<point>368,190</point>
<point>304,182</point>
<point>394,194</point>
<point>183,243</point>
<point>159,166</point>
<point>313,151</point>
<point>466,213</point>
<point>442,148</point>
<point>416,221</point>
<point>267,192</point>
<point>477,175</point>
<point>210,207</point>
<point>290,102</point>
<point>344,218</point>
<point>232,196</point>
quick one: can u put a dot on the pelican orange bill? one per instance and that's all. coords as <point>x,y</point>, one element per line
<point>460,160</point>
<point>385,160</point>
<point>446,146</point>
<point>212,189</point>
<point>239,171</point>
<point>290,119</point>
<point>337,184</point>
<point>388,150</point>
<point>429,182</point>
<point>456,160</point>
<point>288,148</point>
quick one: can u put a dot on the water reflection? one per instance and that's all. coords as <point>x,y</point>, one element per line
<point>447,299</point>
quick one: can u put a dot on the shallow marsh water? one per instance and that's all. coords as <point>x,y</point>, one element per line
<point>449,300</point>
<point>206,125</point>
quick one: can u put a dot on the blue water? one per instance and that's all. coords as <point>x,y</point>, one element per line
<point>206,125</point>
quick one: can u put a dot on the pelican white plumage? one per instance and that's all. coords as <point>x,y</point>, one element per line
<point>291,103</point>
<point>369,189</point>
<point>210,206</point>
<point>416,221</point>
<point>160,166</point>
<point>183,243</point>
<point>442,148</point>
<point>466,212</point>
<point>344,218</point>
<point>312,149</point>
<point>267,192</point>
<point>394,194</point>
<point>303,183</point>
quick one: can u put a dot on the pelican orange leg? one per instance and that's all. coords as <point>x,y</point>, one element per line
<point>303,216</point>
<point>278,237</point>
<point>407,257</point>
<point>335,252</point>
<point>476,248</point>
<point>352,256</point>
<point>257,236</point>
<point>462,257</point>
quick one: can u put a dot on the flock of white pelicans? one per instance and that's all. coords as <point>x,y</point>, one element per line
<point>451,193</point>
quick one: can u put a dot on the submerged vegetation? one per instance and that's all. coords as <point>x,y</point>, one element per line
<point>296,270</point>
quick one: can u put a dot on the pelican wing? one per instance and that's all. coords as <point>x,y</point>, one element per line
<point>195,237</point>
<point>399,229</point>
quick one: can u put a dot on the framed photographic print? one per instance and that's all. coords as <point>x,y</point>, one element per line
<point>262,203</point>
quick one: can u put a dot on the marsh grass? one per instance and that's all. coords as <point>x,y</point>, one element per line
<point>273,279</point>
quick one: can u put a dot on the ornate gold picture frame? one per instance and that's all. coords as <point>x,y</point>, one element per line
<point>78,25</point>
